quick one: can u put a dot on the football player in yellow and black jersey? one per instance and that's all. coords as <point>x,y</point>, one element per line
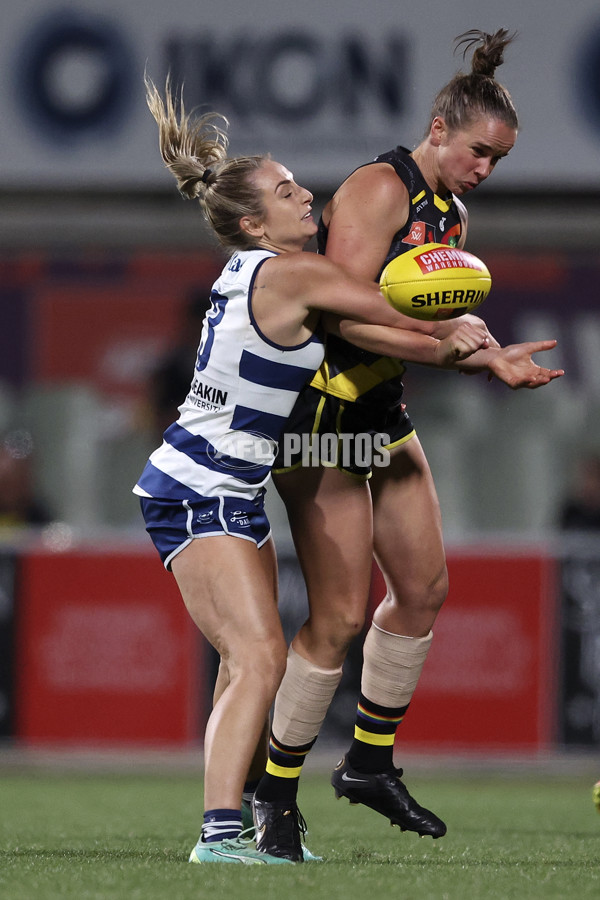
<point>347,511</point>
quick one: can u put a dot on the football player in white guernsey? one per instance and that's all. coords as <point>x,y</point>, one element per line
<point>202,490</point>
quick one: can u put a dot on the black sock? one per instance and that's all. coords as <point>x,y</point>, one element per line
<point>372,749</point>
<point>281,780</point>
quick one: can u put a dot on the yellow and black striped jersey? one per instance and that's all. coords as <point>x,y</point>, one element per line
<point>357,375</point>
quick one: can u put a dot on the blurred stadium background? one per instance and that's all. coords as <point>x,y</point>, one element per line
<point>104,269</point>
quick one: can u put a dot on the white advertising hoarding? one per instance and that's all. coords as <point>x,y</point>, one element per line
<point>322,86</point>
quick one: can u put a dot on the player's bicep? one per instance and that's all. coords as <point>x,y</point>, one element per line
<point>360,251</point>
<point>369,211</point>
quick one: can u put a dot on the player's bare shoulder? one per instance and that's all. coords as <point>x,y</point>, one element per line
<point>372,194</point>
<point>290,274</point>
<point>376,183</point>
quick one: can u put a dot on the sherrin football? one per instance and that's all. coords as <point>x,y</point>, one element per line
<point>435,281</point>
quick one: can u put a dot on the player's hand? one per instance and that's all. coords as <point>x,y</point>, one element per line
<point>466,338</point>
<point>444,328</point>
<point>514,366</point>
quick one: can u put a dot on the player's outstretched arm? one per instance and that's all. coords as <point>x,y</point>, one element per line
<point>513,365</point>
<point>467,338</point>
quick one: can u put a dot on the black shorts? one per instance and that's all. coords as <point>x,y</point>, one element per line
<point>351,436</point>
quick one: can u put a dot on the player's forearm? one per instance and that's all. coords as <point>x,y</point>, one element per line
<point>410,346</point>
<point>480,361</point>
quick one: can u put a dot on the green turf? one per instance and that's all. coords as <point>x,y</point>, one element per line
<point>90,837</point>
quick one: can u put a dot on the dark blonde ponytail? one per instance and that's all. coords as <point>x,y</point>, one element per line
<point>194,150</point>
<point>477,95</point>
<point>488,54</point>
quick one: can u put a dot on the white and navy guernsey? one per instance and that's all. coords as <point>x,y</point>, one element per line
<point>243,389</point>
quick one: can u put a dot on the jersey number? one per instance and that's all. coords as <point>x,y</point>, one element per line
<point>213,317</point>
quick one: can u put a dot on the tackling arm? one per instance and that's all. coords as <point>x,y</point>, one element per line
<point>411,346</point>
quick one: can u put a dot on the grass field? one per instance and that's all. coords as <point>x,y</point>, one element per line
<point>91,836</point>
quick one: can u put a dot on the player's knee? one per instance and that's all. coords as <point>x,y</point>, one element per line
<point>262,664</point>
<point>341,631</point>
<point>429,597</point>
<point>421,594</point>
<point>349,627</point>
<point>438,590</point>
<point>269,662</point>
<point>327,638</point>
